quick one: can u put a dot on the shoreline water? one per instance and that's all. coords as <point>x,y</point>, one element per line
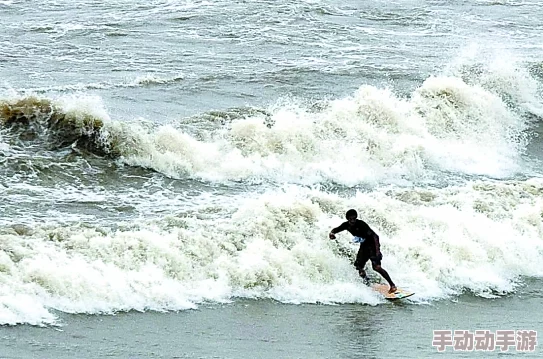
<point>268,329</point>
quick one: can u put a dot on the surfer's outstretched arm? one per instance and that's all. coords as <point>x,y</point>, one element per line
<point>341,228</point>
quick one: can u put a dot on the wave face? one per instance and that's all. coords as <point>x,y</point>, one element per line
<point>373,136</point>
<point>483,238</point>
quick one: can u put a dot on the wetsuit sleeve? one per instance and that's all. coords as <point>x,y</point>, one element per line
<point>341,227</point>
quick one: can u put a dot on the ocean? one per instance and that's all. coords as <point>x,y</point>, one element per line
<point>170,171</point>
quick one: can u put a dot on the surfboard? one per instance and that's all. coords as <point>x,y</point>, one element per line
<point>398,294</point>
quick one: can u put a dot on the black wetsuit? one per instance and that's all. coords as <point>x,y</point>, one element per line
<point>367,250</point>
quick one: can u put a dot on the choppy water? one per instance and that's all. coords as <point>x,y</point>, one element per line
<point>163,155</point>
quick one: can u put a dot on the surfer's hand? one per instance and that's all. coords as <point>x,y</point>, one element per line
<point>332,236</point>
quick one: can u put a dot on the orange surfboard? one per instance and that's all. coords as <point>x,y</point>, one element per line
<point>398,294</point>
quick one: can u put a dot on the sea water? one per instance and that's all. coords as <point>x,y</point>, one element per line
<point>170,171</point>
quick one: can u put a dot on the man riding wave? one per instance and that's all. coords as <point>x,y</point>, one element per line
<point>369,246</point>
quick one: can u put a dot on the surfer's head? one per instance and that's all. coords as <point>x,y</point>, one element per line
<point>351,215</point>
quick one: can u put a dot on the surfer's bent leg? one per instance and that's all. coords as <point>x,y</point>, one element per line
<point>376,265</point>
<point>362,257</point>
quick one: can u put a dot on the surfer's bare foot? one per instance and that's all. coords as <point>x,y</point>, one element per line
<point>392,289</point>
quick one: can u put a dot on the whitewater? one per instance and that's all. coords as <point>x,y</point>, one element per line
<point>189,158</point>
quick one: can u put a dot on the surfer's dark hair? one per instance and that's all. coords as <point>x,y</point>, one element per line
<point>351,213</point>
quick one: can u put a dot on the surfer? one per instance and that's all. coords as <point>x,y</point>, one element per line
<point>369,246</point>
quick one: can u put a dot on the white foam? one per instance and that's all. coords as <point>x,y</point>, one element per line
<point>23,309</point>
<point>371,136</point>
<point>483,238</point>
<point>500,72</point>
